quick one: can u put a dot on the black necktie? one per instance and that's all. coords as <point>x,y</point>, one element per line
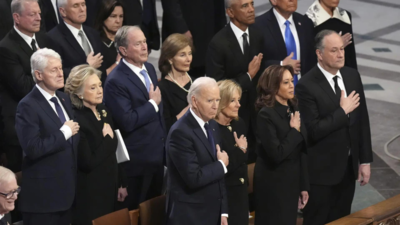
<point>246,46</point>
<point>337,89</point>
<point>210,137</point>
<point>33,45</point>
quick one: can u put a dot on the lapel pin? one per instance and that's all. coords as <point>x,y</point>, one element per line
<point>299,24</point>
<point>104,113</point>
<point>63,100</point>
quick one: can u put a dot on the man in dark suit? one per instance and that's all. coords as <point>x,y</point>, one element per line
<point>333,107</point>
<point>47,133</point>
<point>9,193</point>
<point>16,80</point>
<point>133,98</point>
<point>77,43</point>
<point>234,53</point>
<point>6,19</point>
<point>288,37</point>
<point>196,191</point>
<point>199,20</point>
<point>50,14</point>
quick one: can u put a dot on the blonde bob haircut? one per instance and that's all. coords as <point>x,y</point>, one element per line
<point>76,80</point>
<point>226,90</point>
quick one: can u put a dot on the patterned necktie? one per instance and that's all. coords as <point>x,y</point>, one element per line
<point>338,91</point>
<point>210,137</point>
<point>59,110</point>
<point>290,46</point>
<point>85,43</point>
<point>246,46</point>
<point>146,79</point>
<point>33,45</point>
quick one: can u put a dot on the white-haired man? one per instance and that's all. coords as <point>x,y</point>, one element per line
<point>196,191</point>
<point>47,134</point>
<point>9,191</point>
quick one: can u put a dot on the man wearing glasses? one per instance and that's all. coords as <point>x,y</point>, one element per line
<point>8,194</point>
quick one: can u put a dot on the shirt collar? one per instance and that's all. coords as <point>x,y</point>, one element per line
<point>1,216</point>
<point>281,20</point>
<point>26,38</point>
<point>318,14</point>
<point>73,30</point>
<point>199,120</point>
<point>134,68</point>
<point>238,32</point>
<point>328,75</point>
<point>46,94</point>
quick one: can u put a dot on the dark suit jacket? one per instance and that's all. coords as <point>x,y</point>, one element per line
<point>204,18</point>
<point>49,163</point>
<point>331,133</point>
<point>48,14</point>
<point>225,60</point>
<point>70,50</point>
<point>16,76</point>
<point>196,189</point>
<point>274,45</point>
<point>142,128</point>
<point>6,19</point>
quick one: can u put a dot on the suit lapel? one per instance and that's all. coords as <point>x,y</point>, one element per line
<point>200,134</point>
<point>72,40</point>
<point>275,30</point>
<point>22,43</point>
<point>66,107</point>
<point>134,79</point>
<point>44,104</point>
<point>92,40</point>
<point>321,79</point>
<point>349,88</point>
<point>235,47</point>
<point>300,35</point>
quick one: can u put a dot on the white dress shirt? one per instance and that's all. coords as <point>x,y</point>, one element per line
<point>329,77</point>
<point>54,4</point>
<point>281,22</point>
<point>66,130</point>
<point>136,70</point>
<point>27,39</point>
<point>75,33</point>
<point>239,36</point>
<point>202,123</point>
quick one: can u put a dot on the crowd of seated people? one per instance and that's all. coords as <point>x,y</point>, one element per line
<point>281,90</point>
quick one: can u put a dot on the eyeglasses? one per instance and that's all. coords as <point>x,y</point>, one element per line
<point>11,194</point>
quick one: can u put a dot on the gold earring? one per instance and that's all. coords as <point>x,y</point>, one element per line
<point>82,97</point>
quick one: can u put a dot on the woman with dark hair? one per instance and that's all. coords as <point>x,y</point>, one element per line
<point>326,15</point>
<point>174,63</point>
<point>280,174</point>
<point>109,20</point>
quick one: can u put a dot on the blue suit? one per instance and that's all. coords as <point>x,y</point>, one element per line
<point>196,189</point>
<point>142,128</point>
<point>49,161</point>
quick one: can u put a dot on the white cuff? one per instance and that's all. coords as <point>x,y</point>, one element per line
<point>66,130</point>
<point>224,215</point>
<point>223,165</point>
<point>365,163</point>
<point>249,76</point>
<point>154,104</point>
<point>281,63</point>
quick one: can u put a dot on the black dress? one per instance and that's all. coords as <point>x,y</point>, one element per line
<point>280,173</point>
<point>236,179</point>
<point>98,173</point>
<point>109,53</point>
<point>174,100</point>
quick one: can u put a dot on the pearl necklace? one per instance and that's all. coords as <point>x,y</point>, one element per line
<point>170,76</point>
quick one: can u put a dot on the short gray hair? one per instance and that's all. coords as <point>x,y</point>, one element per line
<point>319,39</point>
<point>17,6</point>
<point>6,175</point>
<point>121,37</point>
<point>228,3</point>
<point>198,85</point>
<point>62,3</point>
<point>40,58</point>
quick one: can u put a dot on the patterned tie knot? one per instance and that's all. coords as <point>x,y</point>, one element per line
<point>287,23</point>
<point>54,100</point>
<point>244,35</point>
<point>206,126</point>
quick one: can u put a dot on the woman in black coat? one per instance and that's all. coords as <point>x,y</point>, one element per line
<point>326,15</point>
<point>99,181</point>
<point>232,130</point>
<point>280,173</point>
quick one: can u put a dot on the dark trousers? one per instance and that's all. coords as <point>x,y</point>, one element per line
<point>56,218</point>
<point>329,203</point>
<point>142,188</point>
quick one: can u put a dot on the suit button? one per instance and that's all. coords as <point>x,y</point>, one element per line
<point>162,139</point>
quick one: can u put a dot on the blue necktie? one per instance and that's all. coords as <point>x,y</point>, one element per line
<point>59,110</point>
<point>290,46</point>
<point>210,137</point>
<point>146,79</point>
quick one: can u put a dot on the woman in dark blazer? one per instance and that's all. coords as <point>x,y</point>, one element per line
<point>280,173</point>
<point>232,130</point>
<point>326,15</point>
<point>100,182</point>
<point>174,63</point>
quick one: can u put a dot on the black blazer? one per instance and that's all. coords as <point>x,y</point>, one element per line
<point>48,14</point>
<point>70,50</point>
<point>49,163</point>
<point>225,60</point>
<point>203,18</point>
<point>274,45</point>
<point>196,189</point>
<point>16,76</point>
<point>6,19</point>
<point>332,133</point>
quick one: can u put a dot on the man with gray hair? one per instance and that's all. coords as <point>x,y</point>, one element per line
<point>134,99</point>
<point>9,191</point>
<point>333,108</point>
<point>48,137</point>
<point>15,74</point>
<point>196,191</point>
